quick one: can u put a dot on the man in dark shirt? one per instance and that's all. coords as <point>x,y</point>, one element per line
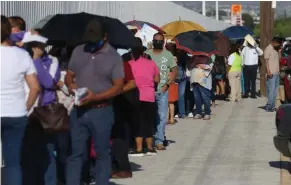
<point>97,66</point>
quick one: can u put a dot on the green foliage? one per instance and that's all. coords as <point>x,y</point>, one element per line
<point>282,28</point>
<point>248,21</point>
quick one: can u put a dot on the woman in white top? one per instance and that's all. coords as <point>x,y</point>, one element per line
<point>16,68</point>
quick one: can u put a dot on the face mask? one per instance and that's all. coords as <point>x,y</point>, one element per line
<point>93,47</point>
<point>158,44</point>
<point>277,48</point>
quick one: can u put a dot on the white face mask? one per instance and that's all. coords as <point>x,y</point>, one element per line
<point>122,51</point>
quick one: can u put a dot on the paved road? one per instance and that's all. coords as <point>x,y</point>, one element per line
<point>234,148</point>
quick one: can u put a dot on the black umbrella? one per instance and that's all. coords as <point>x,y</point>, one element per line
<point>69,29</point>
<point>196,43</point>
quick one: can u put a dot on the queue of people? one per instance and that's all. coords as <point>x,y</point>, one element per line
<point>129,100</point>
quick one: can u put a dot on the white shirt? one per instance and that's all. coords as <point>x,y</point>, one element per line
<point>15,64</point>
<point>250,56</point>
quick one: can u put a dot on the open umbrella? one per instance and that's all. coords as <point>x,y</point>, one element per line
<point>69,29</point>
<point>237,32</point>
<point>139,25</point>
<point>195,43</point>
<point>222,43</point>
<point>174,28</point>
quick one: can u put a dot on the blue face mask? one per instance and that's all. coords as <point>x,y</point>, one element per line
<point>93,47</point>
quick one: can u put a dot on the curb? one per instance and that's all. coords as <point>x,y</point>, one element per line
<point>285,174</point>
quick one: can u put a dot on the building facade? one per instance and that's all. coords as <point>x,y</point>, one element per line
<point>159,13</point>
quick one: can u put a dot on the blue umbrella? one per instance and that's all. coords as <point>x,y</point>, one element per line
<point>237,32</point>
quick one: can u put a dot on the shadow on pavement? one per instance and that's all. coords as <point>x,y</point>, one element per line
<point>135,167</point>
<point>281,165</point>
<point>262,107</point>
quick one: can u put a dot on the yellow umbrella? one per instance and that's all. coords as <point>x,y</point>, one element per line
<point>174,28</point>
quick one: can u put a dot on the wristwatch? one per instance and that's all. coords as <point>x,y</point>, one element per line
<point>168,85</point>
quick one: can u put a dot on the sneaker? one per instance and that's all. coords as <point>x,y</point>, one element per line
<point>176,116</point>
<point>206,117</point>
<point>190,115</point>
<point>160,147</point>
<point>198,116</point>
<point>151,152</point>
<point>136,154</point>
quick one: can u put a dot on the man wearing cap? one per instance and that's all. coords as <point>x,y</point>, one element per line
<point>97,66</point>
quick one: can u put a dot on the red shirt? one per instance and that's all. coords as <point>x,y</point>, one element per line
<point>127,71</point>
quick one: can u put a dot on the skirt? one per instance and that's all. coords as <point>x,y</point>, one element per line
<point>173,93</point>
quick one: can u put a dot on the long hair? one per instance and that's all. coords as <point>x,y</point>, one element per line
<point>5,28</point>
<point>235,48</point>
<point>138,50</point>
<point>28,47</point>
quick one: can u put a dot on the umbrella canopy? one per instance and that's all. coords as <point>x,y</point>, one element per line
<point>222,43</point>
<point>69,29</point>
<point>139,25</point>
<point>237,32</point>
<point>174,28</point>
<point>195,43</point>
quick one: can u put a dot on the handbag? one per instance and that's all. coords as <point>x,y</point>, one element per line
<point>52,117</point>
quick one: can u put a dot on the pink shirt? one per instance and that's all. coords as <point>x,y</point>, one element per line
<point>144,71</point>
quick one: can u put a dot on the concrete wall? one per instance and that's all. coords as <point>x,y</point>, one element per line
<point>158,13</point>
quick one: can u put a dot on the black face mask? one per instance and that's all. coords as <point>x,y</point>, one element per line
<point>93,47</point>
<point>277,48</point>
<point>158,44</point>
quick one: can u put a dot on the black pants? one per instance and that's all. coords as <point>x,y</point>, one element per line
<point>145,127</point>
<point>189,98</point>
<point>250,77</point>
<point>126,113</point>
<point>120,161</point>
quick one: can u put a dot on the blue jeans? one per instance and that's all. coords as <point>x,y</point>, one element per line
<point>12,132</point>
<point>162,105</point>
<point>50,176</point>
<point>202,96</point>
<point>181,101</point>
<point>243,83</point>
<point>97,123</point>
<point>272,90</point>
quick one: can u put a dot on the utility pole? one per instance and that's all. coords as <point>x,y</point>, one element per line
<point>204,8</point>
<point>266,34</point>
<point>216,8</point>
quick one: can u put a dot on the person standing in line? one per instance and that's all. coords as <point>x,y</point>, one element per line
<point>182,80</point>
<point>18,28</point>
<point>16,69</point>
<point>146,75</point>
<point>250,55</point>
<point>166,63</point>
<point>271,56</point>
<point>234,73</point>
<point>98,67</point>
<point>201,81</point>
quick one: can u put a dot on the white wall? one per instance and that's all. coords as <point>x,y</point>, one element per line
<point>159,13</point>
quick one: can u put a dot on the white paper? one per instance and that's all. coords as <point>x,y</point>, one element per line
<point>146,34</point>
<point>79,94</point>
<point>28,37</point>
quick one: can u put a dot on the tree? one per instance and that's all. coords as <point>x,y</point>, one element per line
<point>282,27</point>
<point>248,21</point>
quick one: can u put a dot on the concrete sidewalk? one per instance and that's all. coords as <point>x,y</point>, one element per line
<point>234,148</point>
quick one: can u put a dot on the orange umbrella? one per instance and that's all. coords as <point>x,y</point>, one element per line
<point>174,28</point>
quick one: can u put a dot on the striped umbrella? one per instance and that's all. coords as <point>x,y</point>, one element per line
<point>139,25</point>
